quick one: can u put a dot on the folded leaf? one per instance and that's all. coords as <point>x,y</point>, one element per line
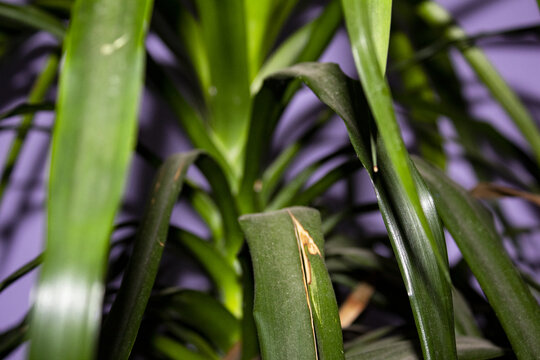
<point>295,309</point>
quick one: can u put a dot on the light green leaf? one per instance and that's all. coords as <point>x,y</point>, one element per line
<point>306,44</point>
<point>264,21</point>
<point>37,95</point>
<point>224,32</point>
<point>99,89</point>
<point>218,268</point>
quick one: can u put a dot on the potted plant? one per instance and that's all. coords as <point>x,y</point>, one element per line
<point>274,279</point>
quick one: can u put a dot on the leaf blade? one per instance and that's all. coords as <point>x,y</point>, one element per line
<point>86,184</point>
<point>287,328</point>
<point>122,324</point>
<point>472,229</point>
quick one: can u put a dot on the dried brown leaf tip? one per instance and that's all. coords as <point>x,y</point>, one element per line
<point>304,241</point>
<point>304,237</point>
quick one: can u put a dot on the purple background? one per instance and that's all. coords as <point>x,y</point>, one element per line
<point>22,209</point>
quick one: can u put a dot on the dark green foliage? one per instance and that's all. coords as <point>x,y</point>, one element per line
<point>274,284</point>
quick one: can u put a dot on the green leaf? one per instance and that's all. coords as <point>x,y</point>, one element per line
<point>464,318</point>
<point>191,35</point>
<point>37,94</point>
<point>224,32</point>
<point>225,201</point>
<point>429,292</point>
<point>291,193</point>
<point>23,270</point>
<point>306,44</point>
<point>218,268</point>
<point>27,108</point>
<point>415,83</point>
<point>191,121</point>
<point>122,324</point>
<point>473,230</point>
<point>436,15</point>
<point>267,108</point>
<point>250,341</point>
<point>274,173</point>
<point>99,90</point>
<point>368,24</point>
<point>468,348</point>
<point>204,314</point>
<point>206,207</point>
<point>33,17</point>
<point>264,20</point>
<point>191,337</point>
<point>295,309</point>
<point>12,338</point>
<point>175,350</point>
<point>318,188</point>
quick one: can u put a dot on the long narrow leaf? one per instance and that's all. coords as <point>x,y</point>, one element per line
<point>429,292</point>
<point>368,25</point>
<point>23,270</point>
<point>33,17</point>
<point>39,90</point>
<point>225,201</point>
<point>436,15</point>
<point>264,20</point>
<point>473,230</point>
<point>415,83</point>
<point>12,338</point>
<point>122,324</point>
<point>93,139</point>
<point>192,122</point>
<point>26,109</point>
<point>306,44</point>
<point>224,32</point>
<point>218,268</point>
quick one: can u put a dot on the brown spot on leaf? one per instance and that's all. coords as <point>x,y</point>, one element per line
<point>178,172</point>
